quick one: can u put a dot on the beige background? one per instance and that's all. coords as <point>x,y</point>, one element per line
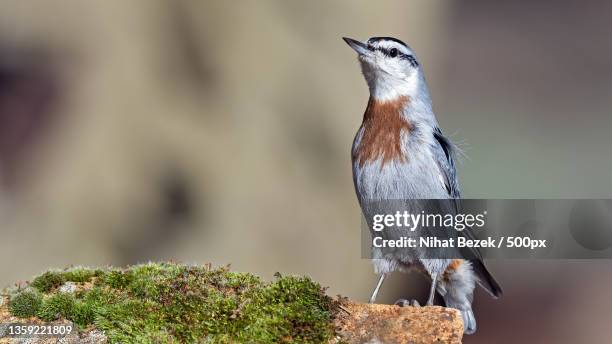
<point>215,131</point>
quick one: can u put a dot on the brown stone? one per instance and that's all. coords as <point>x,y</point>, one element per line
<point>372,323</point>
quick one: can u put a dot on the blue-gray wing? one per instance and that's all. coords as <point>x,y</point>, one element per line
<point>444,153</point>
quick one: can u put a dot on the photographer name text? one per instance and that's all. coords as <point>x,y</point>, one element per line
<point>459,242</point>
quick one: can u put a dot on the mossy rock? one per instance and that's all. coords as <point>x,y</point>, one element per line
<point>172,303</point>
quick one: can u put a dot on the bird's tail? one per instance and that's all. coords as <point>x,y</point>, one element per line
<point>485,279</point>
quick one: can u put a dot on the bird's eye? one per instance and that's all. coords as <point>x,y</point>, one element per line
<point>393,52</point>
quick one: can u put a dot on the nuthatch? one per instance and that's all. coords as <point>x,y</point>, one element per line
<point>399,152</point>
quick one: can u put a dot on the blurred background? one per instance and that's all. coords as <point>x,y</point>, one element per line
<point>216,131</point>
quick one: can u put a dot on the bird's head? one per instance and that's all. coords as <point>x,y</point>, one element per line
<point>389,67</point>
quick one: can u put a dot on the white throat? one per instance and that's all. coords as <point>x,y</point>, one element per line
<point>387,87</point>
<point>391,82</point>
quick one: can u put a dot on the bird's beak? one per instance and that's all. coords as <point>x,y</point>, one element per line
<point>359,47</point>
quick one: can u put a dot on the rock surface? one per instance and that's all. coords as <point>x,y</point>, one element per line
<point>365,323</point>
<point>356,323</point>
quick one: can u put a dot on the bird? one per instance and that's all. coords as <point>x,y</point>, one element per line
<point>400,152</point>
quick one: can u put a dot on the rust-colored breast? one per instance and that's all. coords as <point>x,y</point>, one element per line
<point>382,129</point>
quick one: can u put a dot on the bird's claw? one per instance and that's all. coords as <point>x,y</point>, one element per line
<point>407,303</point>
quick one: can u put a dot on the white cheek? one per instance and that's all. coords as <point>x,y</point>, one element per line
<point>391,66</point>
<point>387,66</point>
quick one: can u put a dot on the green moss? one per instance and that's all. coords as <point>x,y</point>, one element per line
<point>48,281</point>
<point>168,303</point>
<point>116,279</point>
<point>56,306</point>
<point>80,275</point>
<point>82,313</point>
<point>25,304</point>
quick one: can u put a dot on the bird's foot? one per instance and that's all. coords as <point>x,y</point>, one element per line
<point>407,303</point>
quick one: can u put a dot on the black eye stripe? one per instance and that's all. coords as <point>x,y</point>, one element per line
<point>412,60</point>
<point>401,55</point>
